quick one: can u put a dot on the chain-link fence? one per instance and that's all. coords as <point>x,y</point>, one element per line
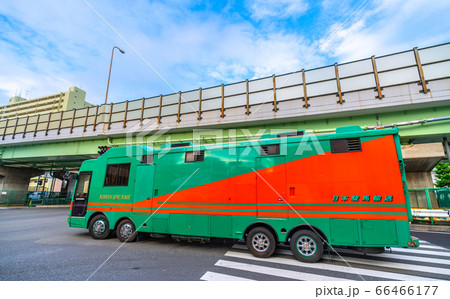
<point>33,198</point>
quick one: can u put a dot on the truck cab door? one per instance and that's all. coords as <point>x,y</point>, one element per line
<point>80,200</point>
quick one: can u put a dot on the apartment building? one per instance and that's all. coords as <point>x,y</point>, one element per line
<point>71,99</point>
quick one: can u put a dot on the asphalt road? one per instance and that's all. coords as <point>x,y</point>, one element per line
<point>37,244</point>
<point>441,238</point>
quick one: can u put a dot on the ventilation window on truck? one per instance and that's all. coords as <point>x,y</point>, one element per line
<point>117,175</point>
<point>195,156</point>
<point>271,149</point>
<point>147,159</point>
<point>345,145</point>
<point>291,134</point>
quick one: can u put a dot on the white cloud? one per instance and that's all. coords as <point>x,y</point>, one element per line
<point>390,26</point>
<point>264,56</point>
<point>50,46</point>
<point>261,9</point>
<point>56,46</point>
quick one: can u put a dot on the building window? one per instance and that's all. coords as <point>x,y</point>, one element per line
<point>345,145</point>
<point>117,175</point>
<point>271,149</point>
<point>195,156</point>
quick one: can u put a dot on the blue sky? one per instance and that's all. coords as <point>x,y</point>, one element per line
<point>48,46</point>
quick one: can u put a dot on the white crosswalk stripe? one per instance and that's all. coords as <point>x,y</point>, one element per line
<point>213,276</point>
<point>404,264</point>
<point>385,255</point>
<point>426,246</point>
<point>275,272</point>
<point>329,267</point>
<point>426,252</point>
<point>367,261</point>
<point>402,257</point>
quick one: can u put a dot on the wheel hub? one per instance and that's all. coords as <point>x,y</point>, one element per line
<point>260,242</point>
<point>126,230</point>
<point>306,246</point>
<point>99,227</point>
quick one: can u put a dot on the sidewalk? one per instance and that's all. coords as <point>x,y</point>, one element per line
<point>430,228</point>
<point>37,206</point>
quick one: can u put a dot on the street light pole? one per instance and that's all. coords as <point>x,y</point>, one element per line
<point>109,77</point>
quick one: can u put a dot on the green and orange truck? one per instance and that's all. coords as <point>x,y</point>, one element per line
<point>344,188</point>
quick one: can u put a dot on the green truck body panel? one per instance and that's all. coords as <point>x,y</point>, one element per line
<point>229,190</point>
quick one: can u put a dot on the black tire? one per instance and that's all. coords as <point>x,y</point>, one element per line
<point>126,231</point>
<point>261,242</point>
<point>99,227</point>
<point>307,246</point>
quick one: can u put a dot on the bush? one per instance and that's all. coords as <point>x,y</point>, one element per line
<point>442,175</point>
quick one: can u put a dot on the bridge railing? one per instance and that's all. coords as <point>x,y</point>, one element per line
<point>306,91</point>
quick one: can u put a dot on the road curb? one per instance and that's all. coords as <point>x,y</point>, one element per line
<point>431,228</point>
<point>39,207</point>
<point>54,206</point>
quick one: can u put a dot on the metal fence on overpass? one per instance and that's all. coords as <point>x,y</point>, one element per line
<point>373,83</point>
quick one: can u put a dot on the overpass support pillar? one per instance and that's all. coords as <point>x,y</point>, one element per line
<point>447,149</point>
<point>420,159</point>
<point>17,179</point>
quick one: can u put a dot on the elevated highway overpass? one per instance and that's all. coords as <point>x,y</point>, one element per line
<point>401,87</point>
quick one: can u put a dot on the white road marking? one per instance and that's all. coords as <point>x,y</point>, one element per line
<point>411,258</point>
<point>432,247</point>
<point>404,256</point>
<point>329,267</point>
<point>387,254</point>
<point>213,276</point>
<point>368,261</point>
<point>276,272</point>
<point>386,264</point>
<point>417,250</point>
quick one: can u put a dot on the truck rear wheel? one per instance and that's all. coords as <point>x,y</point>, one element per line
<point>99,227</point>
<point>307,246</point>
<point>126,231</point>
<point>261,242</point>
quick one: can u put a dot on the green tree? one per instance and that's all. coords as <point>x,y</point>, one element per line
<point>442,175</point>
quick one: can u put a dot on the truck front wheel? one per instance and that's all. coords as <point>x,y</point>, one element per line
<point>99,227</point>
<point>261,242</point>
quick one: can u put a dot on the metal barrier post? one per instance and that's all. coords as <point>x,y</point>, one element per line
<point>429,204</point>
<point>10,198</point>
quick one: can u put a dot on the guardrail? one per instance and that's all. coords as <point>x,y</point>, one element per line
<point>373,74</point>
<point>33,198</point>
<point>430,203</point>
